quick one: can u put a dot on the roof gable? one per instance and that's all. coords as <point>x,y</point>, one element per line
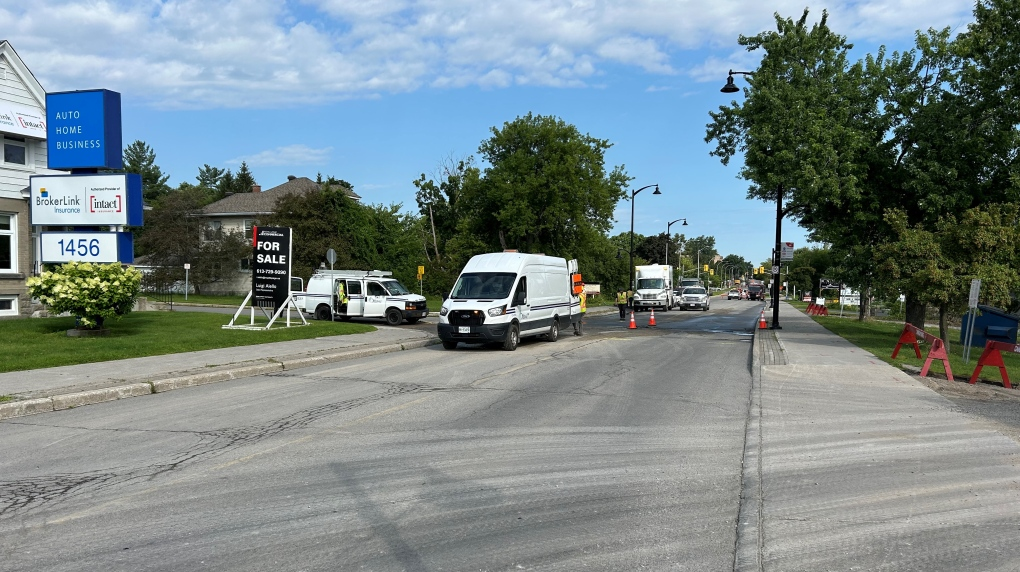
<point>33,89</point>
<point>265,201</point>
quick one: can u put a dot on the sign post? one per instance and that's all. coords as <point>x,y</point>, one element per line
<point>972,303</point>
<point>187,268</point>
<point>331,257</point>
<point>421,275</point>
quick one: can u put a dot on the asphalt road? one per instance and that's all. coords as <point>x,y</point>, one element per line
<point>618,450</point>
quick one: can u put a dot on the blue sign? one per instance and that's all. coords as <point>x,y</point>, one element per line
<point>83,130</point>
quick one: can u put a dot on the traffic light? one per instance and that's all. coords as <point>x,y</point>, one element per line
<point>705,269</point>
<point>711,271</point>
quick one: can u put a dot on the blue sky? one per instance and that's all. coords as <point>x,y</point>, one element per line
<point>377,92</point>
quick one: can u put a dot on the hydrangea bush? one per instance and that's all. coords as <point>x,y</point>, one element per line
<point>90,292</point>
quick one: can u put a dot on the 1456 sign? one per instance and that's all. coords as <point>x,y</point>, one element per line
<point>270,270</point>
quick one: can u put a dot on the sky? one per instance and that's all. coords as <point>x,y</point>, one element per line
<point>378,92</point>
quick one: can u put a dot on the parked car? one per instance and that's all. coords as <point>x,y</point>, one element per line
<point>695,298</point>
<point>733,295</point>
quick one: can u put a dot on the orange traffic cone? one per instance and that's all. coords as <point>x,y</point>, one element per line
<point>761,321</point>
<point>651,318</point>
<point>632,325</point>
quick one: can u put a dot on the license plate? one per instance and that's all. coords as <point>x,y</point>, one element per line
<point>464,330</point>
<point>692,305</point>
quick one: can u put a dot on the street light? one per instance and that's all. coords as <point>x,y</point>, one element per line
<point>632,195</point>
<point>699,261</point>
<point>731,87</point>
<point>667,236</point>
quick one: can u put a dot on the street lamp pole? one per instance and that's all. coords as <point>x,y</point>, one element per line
<point>731,87</point>
<point>632,195</point>
<point>667,236</point>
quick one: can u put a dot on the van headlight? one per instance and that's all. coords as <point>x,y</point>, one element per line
<point>444,311</point>
<point>498,311</point>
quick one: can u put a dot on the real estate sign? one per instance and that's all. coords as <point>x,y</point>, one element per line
<point>86,200</point>
<point>270,269</point>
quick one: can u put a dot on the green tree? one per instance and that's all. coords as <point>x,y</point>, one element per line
<point>243,179</point>
<point>175,235</point>
<point>546,190</point>
<point>139,158</point>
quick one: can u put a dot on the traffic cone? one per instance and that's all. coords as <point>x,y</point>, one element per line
<point>761,321</point>
<point>651,318</point>
<point>632,325</point>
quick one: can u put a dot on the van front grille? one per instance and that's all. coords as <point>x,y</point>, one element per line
<point>466,317</point>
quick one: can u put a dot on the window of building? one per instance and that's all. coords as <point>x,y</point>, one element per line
<point>8,243</point>
<point>213,230</point>
<point>8,305</point>
<point>245,265</point>
<point>248,223</point>
<point>15,150</point>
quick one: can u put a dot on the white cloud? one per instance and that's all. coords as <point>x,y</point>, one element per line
<point>256,53</point>
<point>284,156</point>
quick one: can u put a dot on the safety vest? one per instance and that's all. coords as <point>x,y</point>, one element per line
<point>584,304</point>
<point>621,298</point>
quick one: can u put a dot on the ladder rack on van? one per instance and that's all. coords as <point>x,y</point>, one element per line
<point>355,273</point>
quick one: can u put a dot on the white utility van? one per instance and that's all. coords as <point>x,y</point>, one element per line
<point>654,287</point>
<point>370,294</point>
<point>504,296</point>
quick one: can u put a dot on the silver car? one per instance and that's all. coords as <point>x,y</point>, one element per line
<point>693,298</point>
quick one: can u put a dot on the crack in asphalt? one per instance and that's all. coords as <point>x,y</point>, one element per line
<point>18,496</point>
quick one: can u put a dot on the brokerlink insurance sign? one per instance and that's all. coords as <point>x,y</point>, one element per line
<point>270,269</point>
<point>86,200</point>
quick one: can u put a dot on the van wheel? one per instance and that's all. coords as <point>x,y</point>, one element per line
<point>554,331</point>
<point>449,345</point>
<point>394,317</point>
<point>323,313</point>
<point>513,337</point>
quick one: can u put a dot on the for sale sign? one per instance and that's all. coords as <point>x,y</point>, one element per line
<point>270,269</point>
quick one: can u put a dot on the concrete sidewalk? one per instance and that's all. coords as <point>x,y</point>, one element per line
<point>852,464</point>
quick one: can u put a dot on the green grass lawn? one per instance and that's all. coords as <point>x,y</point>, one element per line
<point>38,343</point>
<point>880,337</point>
<point>234,301</point>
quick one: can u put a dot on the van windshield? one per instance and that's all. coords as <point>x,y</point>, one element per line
<point>489,285</point>
<point>651,284</point>
<point>395,288</point>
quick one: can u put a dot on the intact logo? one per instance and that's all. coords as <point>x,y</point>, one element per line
<point>105,204</point>
<point>42,191</point>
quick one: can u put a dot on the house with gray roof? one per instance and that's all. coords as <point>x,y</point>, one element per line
<point>240,211</point>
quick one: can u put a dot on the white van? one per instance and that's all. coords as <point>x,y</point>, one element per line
<point>504,296</point>
<point>370,294</point>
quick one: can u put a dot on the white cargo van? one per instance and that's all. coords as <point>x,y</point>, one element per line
<point>370,294</point>
<point>504,296</point>
<point>654,287</point>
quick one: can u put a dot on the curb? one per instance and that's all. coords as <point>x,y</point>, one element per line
<point>14,409</point>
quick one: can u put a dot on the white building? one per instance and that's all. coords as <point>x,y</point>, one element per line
<point>23,129</point>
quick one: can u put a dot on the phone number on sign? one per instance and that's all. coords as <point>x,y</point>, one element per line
<point>271,271</point>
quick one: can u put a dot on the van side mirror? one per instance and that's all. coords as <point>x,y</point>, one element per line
<point>445,296</point>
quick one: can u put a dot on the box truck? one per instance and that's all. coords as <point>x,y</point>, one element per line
<point>502,297</point>
<point>366,294</point>
<point>654,287</point>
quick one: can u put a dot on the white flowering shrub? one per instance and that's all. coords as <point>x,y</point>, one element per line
<point>90,292</point>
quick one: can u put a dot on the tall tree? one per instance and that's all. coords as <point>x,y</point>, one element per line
<point>546,190</point>
<point>243,179</point>
<point>139,158</point>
